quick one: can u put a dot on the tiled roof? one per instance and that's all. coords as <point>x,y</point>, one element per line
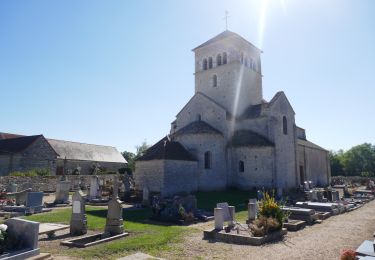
<point>16,145</point>
<point>221,36</point>
<point>198,127</point>
<point>86,152</point>
<point>249,138</point>
<point>166,150</point>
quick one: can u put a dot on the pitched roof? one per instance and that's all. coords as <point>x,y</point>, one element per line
<point>18,144</point>
<point>223,35</point>
<point>249,138</point>
<point>166,150</point>
<point>86,152</point>
<point>197,127</point>
<point>309,144</point>
<point>8,136</point>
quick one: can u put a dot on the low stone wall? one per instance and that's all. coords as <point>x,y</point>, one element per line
<point>46,183</point>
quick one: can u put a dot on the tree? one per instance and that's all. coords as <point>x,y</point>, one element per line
<point>141,149</point>
<point>131,157</point>
<point>337,167</point>
<point>359,159</point>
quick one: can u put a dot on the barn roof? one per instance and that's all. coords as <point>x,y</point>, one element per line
<point>86,152</point>
<point>166,149</point>
<point>18,144</point>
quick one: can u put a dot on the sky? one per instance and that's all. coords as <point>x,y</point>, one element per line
<point>117,72</point>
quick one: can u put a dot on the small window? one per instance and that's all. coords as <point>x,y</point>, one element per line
<point>204,64</point>
<point>242,58</point>
<point>218,60</point>
<point>199,117</point>
<point>207,160</point>
<point>225,59</point>
<point>285,125</point>
<point>214,81</point>
<point>255,66</point>
<point>241,166</point>
<point>245,62</point>
<point>210,62</point>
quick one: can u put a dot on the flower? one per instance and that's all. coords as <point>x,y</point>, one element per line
<point>3,227</point>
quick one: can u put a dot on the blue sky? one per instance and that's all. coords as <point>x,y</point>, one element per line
<point>117,72</point>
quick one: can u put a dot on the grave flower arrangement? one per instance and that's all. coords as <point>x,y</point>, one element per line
<point>270,217</point>
<point>3,237</point>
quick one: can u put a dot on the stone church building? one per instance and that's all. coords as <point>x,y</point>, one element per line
<point>228,135</point>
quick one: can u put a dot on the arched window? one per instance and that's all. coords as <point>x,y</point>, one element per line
<point>245,62</point>
<point>207,160</point>
<point>241,166</point>
<point>204,64</point>
<point>285,125</point>
<point>218,60</point>
<point>242,58</point>
<point>225,58</point>
<point>214,81</point>
<point>254,66</point>
<point>210,62</point>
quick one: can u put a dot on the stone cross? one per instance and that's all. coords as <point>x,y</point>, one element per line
<point>114,223</point>
<point>78,220</point>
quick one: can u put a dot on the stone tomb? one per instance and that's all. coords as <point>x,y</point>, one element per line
<point>25,233</point>
<point>307,215</point>
<point>78,220</point>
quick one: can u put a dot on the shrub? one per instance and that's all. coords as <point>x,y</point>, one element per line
<point>32,173</point>
<point>3,237</point>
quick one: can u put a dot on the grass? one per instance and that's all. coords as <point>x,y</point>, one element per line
<point>153,239</point>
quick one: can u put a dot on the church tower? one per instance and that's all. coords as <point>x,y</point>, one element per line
<point>228,70</point>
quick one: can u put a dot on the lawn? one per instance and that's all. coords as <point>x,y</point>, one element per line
<point>146,237</point>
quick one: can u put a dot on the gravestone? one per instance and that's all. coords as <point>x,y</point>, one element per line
<point>12,187</point>
<point>114,224</point>
<point>78,220</point>
<point>232,212</point>
<point>225,209</point>
<point>34,202</point>
<point>25,233</point>
<point>335,196</point>
<point>62,192</point>
<point>94,187</point>
<point>21,197</point>
<point>314,195</point>
<point>145,196</point>
<point>219,218</point>
<point>252,211</point>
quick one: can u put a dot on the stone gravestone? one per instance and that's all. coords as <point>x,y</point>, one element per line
<point>252,211</point>
<point>145,196</point>
<point>62,192</point>
<point>114,224</point>
<point>12,187</point>
<point>21,197</point>
<point>226,213</point>
<point>335,196</point>
<point>94,187</point>
<point>34,202</point>
<point>219,218</point>
<point>25,232</point>
<point>78,221</point>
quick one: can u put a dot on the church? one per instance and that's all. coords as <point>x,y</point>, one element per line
<point>228,135</point>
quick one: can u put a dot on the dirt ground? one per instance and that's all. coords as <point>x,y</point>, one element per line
<point>320,241</point>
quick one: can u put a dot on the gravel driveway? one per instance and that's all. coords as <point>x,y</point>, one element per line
<point>320,241</point>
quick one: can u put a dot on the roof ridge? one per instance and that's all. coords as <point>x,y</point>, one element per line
<point>79,142</point>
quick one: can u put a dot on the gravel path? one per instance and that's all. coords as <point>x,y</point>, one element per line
<point>320,241</point>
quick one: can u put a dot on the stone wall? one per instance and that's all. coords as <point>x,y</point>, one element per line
<point>180,176</point>
<point>46,183</point>
<point>149,174</point>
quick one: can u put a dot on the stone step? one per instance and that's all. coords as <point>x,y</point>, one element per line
<point>41,256</point>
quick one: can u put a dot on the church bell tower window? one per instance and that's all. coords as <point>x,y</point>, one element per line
<point>210,62</point>
<point>241,166</point>
<point>285,125</point>
<point>225,59</point>
<point>204,64</point>
<point>218,60</point>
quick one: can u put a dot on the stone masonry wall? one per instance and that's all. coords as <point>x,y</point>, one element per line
<point>45,183</point>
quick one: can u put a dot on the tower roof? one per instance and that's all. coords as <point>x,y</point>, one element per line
<point>198,127</point>
<point>223,35</point>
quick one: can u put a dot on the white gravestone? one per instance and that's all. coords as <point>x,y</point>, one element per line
<point>252,211</point>
<point>219,218</point>
<point>225,207</point>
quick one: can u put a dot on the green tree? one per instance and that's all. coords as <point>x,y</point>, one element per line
<point>131,157</point>
<point>337,167</point>
<point>141,149</point>
<point>359,159</point>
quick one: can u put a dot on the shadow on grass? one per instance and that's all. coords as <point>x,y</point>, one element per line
<point>139,215</point>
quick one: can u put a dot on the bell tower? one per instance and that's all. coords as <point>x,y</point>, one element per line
<point>228,70</point>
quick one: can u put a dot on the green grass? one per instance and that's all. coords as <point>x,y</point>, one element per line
<point>153,239</point>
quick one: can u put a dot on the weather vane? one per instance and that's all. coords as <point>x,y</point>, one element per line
<point>226,19</point>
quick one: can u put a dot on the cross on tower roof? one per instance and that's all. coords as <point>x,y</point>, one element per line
<point>226,19</point>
